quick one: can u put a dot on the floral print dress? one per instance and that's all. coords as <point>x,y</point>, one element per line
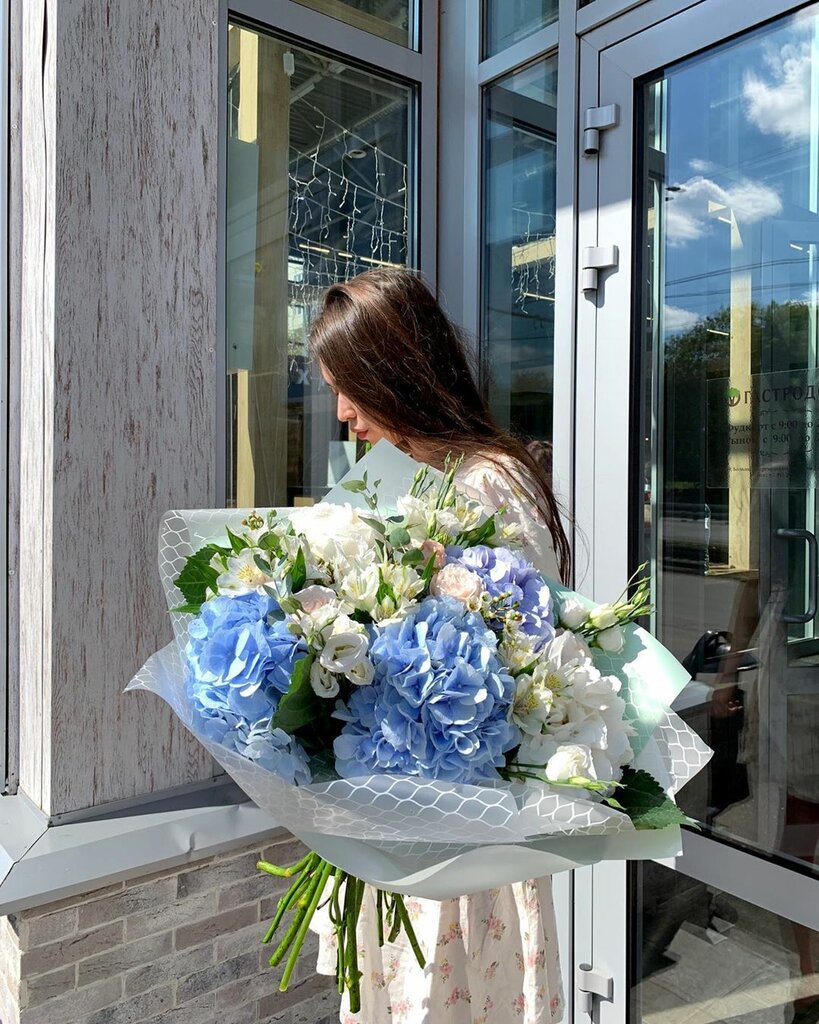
<point>492,956</point>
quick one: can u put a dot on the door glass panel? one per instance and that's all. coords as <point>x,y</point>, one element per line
<point>730,370</point>
<point>390,19</point>
<point>519,248</point>
<point>319,189</point>
<point>508,21</point>
<point>704,957</point>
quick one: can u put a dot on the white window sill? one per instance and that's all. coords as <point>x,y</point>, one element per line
<point>41,863</point>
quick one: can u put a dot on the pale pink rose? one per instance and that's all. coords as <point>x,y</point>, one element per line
<point>314,597</point>
<point>456,581</point>
<point>432,547</point>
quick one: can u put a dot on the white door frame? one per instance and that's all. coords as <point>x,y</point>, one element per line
<point>614,53</point>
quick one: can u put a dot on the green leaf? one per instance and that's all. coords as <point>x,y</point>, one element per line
<point>643,799</point>
<point>188,609</point>
<point>376,524</point>
<point>297,706</point>
<point>399,538</point>
<point>356,486</point>
<point>429,569</point>
<point>237,543</point>
<point>384,589</point>
<point>412,557</point>
<point>262,564</point>
<point>198,574</point>
<point>270,542</point>
<point>298,574</point>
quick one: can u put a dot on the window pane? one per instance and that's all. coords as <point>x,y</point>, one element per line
<point>508,21</point>
<point>519,248</point>
<point>702,956</point>
<point>390,19</point>
<point>318,188</point>
<point>730,369</point>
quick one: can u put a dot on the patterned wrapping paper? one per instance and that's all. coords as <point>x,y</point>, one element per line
<point>432,838</point>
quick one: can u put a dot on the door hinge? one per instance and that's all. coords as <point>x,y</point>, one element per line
<point>591,983</point>
<point>595,120</point>
<point>596,258</point>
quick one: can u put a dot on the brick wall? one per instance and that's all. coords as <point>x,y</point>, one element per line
<point>177,947</point>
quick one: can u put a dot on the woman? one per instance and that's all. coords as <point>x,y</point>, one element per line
<point>400,371</point>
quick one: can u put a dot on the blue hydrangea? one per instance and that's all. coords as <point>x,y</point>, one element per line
<point>439,705</point>
<point>502,572</point>
<point>237,642</point>
<point>242,724</point>
<point>241,657</point>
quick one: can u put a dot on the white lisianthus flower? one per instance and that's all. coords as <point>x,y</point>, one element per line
<point>459,582</point>
<point>243,576</point>
<point>571,761</point>
<point>573,614</point>
<point>323,682</point>
<point>362,673</point>
<point>360,588</point>
<point>343,651</point>
<point>315,597</point>
<point>603,616</point>
<point>536,750</point>
<point>611,640</point>
<point>532,704</point>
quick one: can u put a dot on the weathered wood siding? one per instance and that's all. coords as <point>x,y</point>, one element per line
<point>118,405</point>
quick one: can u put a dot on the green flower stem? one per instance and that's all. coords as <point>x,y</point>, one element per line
<point>323,873</point>
<point>403,915</point>
<point>379,908</point>
<point>287,901</point>
<point>288,872</point>
<point>302,905</point>
<point>351,972</point>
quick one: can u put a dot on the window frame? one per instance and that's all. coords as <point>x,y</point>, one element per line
<point>415,67</point>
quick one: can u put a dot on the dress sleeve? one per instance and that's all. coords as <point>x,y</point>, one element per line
<point>496,488</point>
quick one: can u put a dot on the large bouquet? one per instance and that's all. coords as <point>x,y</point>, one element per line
<point>391,679</point>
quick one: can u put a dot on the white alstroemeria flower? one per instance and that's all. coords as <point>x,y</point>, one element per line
<point>531,706</point>
<point>406,583</point>
<point>509,534</point>
<point>573,613</point>
<point>603,616</point>
<point>243,576</point>
<point>564,661</point>
<point>611,640</point>
<point>517,649</point>
<point>417,516</point>
<point>569,762</point>
<point>359,588</point>
<point>323,682</point>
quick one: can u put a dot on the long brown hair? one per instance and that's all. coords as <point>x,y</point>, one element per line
<point>390,348</point>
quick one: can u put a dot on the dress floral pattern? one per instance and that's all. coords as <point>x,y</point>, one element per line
<point>492,956</point>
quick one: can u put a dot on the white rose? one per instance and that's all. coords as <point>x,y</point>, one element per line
<point>611,640</point>
<point>456,581</point>
<point>571,761</point>
<point>343,651</point>
<point>573,614</point>
<point>314,597</point>
<point>603,616</point>
<point>324,683</point>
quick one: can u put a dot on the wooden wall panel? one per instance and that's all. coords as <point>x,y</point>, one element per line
<point>130,417</point>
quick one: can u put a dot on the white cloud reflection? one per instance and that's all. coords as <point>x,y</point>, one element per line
<point>676,320</point>
<point>778,100</point>
<point>689,213</point>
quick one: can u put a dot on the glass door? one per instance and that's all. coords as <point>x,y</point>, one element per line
<point>700,350</point>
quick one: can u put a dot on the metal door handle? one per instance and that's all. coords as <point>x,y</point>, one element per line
<point>813,565</point>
